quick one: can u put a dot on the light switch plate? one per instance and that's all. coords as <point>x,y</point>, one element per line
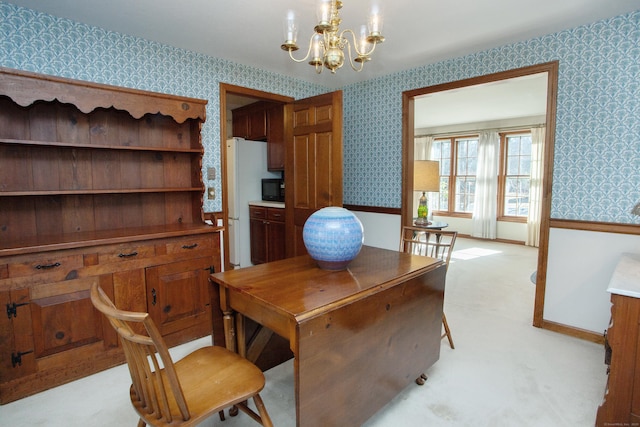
<point>211,174</point>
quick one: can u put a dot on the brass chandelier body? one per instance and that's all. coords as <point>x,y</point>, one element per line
<point>328,44</point>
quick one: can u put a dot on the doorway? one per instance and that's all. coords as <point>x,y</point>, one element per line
<point>232,97</point>
<point>409,155</point>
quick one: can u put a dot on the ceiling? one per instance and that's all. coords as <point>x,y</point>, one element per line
<point>418,32</point>
<point>513,98</point>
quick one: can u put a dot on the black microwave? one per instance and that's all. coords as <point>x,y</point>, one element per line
<point>273,190</point>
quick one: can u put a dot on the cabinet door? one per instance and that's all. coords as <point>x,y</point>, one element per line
<point>240,123</point>
<point>275,234</point>
<point>48,322</point>
<point>63,317</point>
<point>258,124</point>
<point>178,298</point>
<point>275,241</point>
<point>275,138</point>
<point>258,232</point>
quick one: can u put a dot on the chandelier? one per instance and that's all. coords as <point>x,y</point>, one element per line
<point>328,44</point>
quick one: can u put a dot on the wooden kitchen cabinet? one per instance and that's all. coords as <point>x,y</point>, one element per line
<point>267,234</point>
<point>262,121</point>
<point>250,122</point>
<point>99,184</point>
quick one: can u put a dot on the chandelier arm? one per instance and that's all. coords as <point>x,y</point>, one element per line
<point>355,42</point>
<point>348,48</point>
<point>308,51</point>
<point>373,47</point>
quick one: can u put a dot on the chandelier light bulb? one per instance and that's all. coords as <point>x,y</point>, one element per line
<point>375,23</point>
<point>363,43</point>
<point>324,15</point>
<point>375,26</point>
<point>290,32</point>
<point>291,28</point>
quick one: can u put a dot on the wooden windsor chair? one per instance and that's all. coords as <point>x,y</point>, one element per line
<point>188,391</point>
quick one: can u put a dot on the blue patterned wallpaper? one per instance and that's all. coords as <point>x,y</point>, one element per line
<point>597,148</point>
<point>596,172</point>
<point>46,44</point>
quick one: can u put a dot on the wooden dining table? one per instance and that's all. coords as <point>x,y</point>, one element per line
<point>359,336</point>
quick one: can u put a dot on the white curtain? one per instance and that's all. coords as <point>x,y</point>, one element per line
<point>535,186</point>
<point>421,151</point>
<point>484,223</point>
<point>422,148</point>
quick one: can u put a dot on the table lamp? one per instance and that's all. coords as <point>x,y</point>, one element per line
<point>426,178</point>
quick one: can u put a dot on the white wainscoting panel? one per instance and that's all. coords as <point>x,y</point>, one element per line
<point>580,265</point>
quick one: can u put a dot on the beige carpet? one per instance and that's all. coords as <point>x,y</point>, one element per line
<point>503,372</point>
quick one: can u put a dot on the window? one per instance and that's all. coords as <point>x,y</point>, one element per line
<point>441,151</point>
<point>515,177</point>
<point>466,166</point>
<point>458,157</point>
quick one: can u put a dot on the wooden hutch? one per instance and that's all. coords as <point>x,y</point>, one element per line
<point>97,184</point>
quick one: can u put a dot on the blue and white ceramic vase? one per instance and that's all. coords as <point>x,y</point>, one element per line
<point>333,237</point>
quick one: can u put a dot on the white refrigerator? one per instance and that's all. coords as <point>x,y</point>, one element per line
<point>246,166</point>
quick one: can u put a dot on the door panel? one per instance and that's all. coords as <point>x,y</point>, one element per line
<point>324,174</point>
<point>63,316</point>
<point>178,295</point>
<point>313,176</point>
<point>302,179</point>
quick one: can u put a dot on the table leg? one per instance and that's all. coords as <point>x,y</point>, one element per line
<point>231,325</point>
<point>241,340</point>
<point>229,329</point>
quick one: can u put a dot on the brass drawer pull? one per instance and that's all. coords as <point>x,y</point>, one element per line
<point>128,255</point>
<point>47,266</point>
<point>189,246</point>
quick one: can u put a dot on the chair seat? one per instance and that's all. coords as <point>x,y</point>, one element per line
<point>211,378</point>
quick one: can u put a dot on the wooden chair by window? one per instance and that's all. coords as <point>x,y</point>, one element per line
<point>432,243</point>
<point>186,392</point>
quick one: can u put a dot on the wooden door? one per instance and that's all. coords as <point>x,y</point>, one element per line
<point>313,178</point>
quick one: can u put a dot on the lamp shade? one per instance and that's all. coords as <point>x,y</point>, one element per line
<point>426,176</point>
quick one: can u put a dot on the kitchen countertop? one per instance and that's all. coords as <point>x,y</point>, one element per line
<point>267,204</point>
<point>626,277</point>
